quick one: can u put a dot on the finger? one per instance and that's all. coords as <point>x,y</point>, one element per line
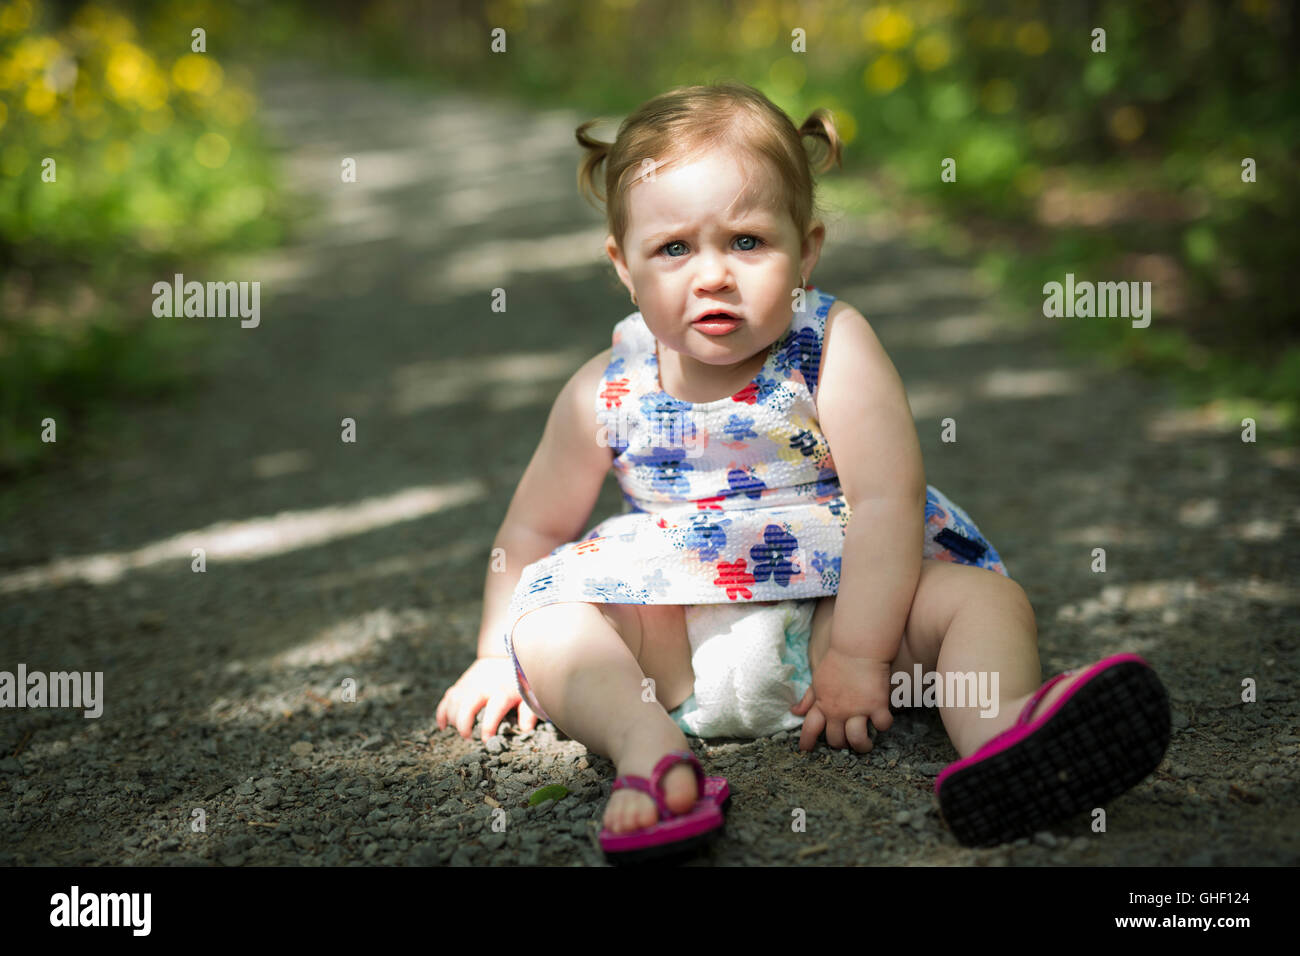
<point>469,706</point>
<point>835,734</point>
<point>527,718</point>
<point>882,719</point>
<point>444,708</point>
<point>855,728</point>
<point>812,728</point>
<point>497,707</point>
<point>804,703</point>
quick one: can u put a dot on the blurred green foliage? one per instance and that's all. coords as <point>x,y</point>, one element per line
<point>1124,164</point>
<point>123,153</point>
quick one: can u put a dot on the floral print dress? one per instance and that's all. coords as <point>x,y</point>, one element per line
<point>735,500</point>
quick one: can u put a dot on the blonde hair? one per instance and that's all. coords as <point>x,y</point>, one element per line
<point>684,123</point>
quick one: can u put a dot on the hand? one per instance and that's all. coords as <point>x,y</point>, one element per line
<point>845,692</point>
<point>490,681</point>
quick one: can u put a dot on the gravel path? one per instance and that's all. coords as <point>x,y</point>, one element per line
<point>329,560</point>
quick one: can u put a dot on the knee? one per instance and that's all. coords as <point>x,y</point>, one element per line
<point>568,622</point>
<point>550,623</point>
<point>1011,599</point>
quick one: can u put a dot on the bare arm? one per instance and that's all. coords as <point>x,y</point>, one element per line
<point>554,499</point>
<point>864,414</point>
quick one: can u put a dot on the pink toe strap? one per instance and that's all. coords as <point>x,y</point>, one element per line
<point>1029,707</point>
<point>633,782</point>
<point>670,760</point>
<point>652,786</point>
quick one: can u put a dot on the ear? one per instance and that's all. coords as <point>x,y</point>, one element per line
<point>616,257</point>
<point>812,249</point>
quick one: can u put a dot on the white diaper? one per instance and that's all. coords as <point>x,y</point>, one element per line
<point>751,667</point>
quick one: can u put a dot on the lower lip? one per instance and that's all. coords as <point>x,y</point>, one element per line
<point>717,326</point>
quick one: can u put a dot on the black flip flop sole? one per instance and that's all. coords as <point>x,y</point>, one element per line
<point>1105,739</point>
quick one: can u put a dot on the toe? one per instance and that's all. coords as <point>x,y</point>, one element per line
<point>680,789</point>
<point>629,811</point>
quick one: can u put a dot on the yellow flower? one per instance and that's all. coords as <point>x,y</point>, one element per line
<point>887,27</point>
<point>40,99</point>
<point>1033,38</point>
<point>127,66</point>
<point>197,73</point>
<point>885,74</point>
<point>31,54</point>
<point>933,51</point>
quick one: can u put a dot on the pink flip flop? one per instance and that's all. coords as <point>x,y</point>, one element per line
<point>673,833</point>
<point>1104,735</point>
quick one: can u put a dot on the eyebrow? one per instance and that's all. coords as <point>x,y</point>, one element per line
<point>758,221</point>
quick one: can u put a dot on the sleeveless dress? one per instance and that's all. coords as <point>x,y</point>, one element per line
<point>735,500</point>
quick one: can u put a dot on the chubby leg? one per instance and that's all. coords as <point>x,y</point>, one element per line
<point>965,619</point>
<point>587,662</point>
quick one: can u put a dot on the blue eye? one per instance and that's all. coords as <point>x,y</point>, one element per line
<point>677,242</point>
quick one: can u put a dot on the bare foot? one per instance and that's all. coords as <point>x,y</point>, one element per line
<point>633,809</point>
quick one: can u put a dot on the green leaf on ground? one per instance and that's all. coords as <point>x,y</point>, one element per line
<point>554,792</point>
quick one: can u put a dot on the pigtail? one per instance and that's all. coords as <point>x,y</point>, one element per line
<point>597,151</point>
<point>820,125</point>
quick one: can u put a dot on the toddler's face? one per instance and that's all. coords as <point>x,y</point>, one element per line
<point>699,240</point>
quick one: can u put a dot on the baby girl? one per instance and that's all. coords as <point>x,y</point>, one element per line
<point>718,406</point>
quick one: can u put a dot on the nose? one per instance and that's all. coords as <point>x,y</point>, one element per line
<point>714,272</point>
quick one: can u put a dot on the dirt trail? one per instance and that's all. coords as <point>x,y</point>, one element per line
<point>328,560</point>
